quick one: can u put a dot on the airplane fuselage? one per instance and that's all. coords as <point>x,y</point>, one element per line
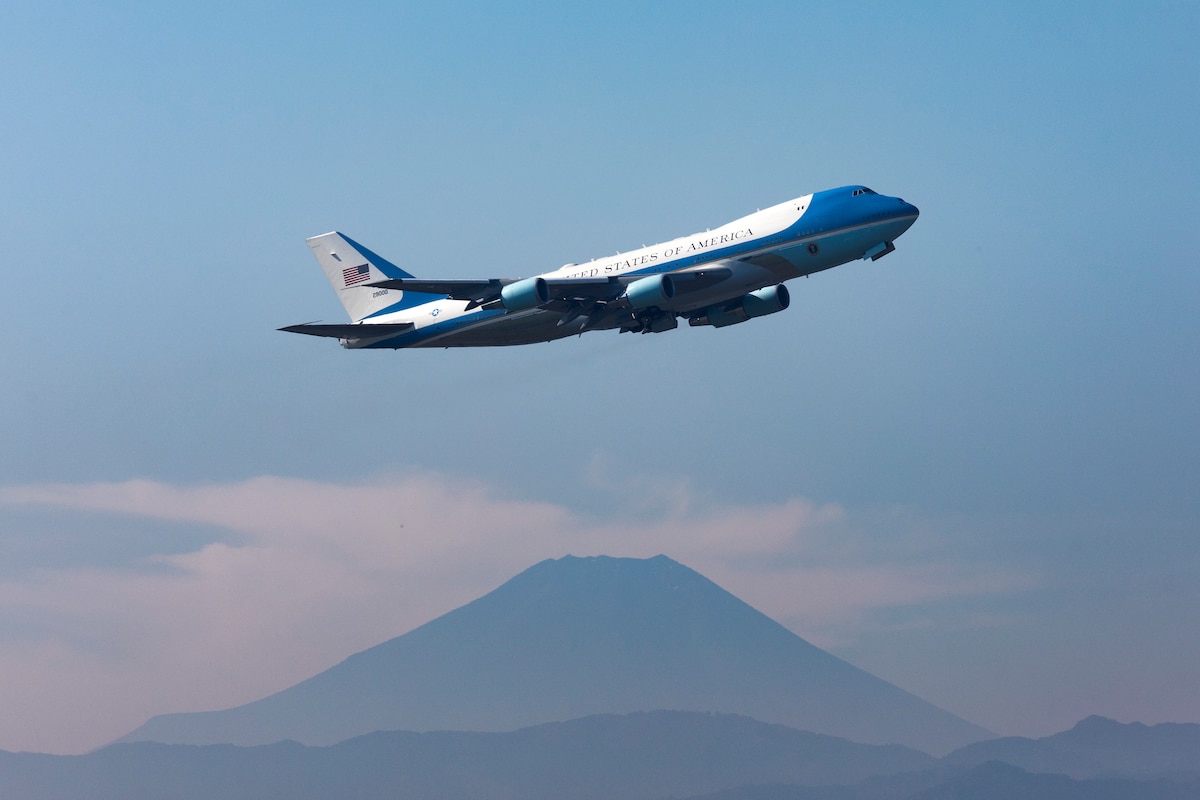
<point>707,278</point>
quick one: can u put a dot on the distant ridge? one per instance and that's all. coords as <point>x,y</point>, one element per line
<point>645,756</point>
<point>573,637</point>
<point>642,756</point>
<point>995,780</point>
<point>1097,747</point>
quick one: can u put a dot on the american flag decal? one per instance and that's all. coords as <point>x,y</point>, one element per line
<point>353,275</point>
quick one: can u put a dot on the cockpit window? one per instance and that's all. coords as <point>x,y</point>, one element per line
<point>862,190</point>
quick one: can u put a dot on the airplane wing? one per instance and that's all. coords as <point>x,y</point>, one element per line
<point>477,291</point>
<point>348,331</point>
<point>485,291</point>
<point>488,289</point>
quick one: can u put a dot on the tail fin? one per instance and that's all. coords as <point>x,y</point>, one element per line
<point>349,267</point>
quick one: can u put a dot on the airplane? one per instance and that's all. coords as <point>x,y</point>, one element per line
<point>721,277</point>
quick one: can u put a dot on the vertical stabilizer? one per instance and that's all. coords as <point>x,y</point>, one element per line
<point>350,267</point>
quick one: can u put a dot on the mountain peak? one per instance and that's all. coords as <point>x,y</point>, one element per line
<point>1095,722</point>
<point>607,571</point>
<point>1096,730</point>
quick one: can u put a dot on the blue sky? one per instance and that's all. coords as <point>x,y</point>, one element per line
<point>970,467</point>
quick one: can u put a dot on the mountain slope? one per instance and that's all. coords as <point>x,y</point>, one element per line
<point>578,636</point>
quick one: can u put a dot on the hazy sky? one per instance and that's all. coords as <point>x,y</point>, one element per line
<point>970,468</point>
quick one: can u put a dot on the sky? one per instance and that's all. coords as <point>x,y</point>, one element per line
<point>970,468</point>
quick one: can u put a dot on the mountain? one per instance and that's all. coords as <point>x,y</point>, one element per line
<point>573,637</point>
<point>990,781</point>
<point>1096,747</point>
<point>641,756</point>
<point>997,781</point>
<point>646,755</point>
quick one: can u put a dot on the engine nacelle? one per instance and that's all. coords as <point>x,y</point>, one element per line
<point>655,290</point>
<point>525,294</point>
<point>756,304</point>
<point>767,301</point>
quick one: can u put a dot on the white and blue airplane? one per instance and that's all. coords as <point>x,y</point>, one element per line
<point>720,277</point>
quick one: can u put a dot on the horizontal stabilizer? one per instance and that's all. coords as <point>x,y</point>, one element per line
<point>367,331</point>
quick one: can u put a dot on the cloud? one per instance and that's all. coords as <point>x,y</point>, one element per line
<point>319,571</point>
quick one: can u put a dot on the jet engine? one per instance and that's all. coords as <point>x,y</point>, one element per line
<point>525,294</point>
<point>655,290</point>
<point>756,304</point>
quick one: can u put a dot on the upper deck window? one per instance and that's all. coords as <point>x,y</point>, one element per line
<point>862,190</point>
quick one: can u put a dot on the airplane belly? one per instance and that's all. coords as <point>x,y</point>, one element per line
<point>516,329</point>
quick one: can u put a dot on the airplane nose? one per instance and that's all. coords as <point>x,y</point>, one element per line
<point>909,208</point>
